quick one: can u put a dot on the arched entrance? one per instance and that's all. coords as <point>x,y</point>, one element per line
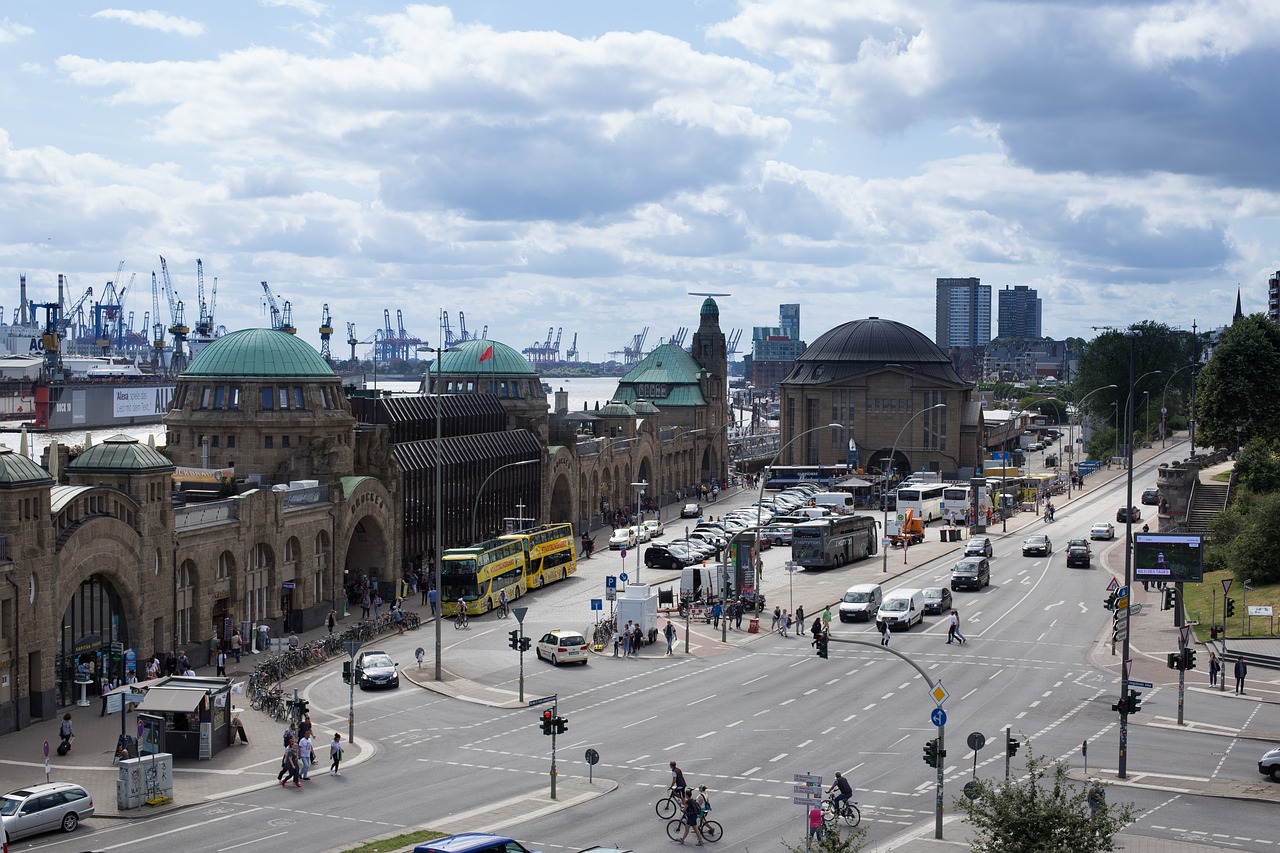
<point>561,504</point>
<point>368,557</point>
<point>94,635</point>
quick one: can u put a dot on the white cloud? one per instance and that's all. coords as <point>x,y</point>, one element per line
<point>153,20</point>
<point>11,31</point>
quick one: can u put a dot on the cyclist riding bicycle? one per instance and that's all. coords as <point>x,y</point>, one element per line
<point>502,602</point>
<point>839,801</point>
<point>678,785</point>
<point>462,612</point>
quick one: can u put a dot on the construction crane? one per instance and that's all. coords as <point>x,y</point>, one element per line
<point>462,327</point>
<point>449,339</point>
<point>204,325</point>
<point>326,332</point>
<point>731,349</point>
<point>178,324</point>
<point>352,340</point>
<point>678,338</point>
<point>571,354</point>
<point>108,318</point>
<point>281,320</point>
<point>632,354</point>
<point>157,330</point>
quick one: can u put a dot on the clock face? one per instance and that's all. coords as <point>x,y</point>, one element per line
<point>653,390</point>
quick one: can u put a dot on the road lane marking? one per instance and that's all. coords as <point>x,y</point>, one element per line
<point>828,730</point>
<point>638,722</point>
<point>803,744</point>
<point>708,734</point>
<point>1055,604</point>
<point>752,770</point>
<point>187,827</point>
<point>254,841</point>
<point>731,725</point>
<point>787,701</point>
<point>778,757</point>
<point>674,746</point>
<point>703,699</point>
<point>754,680</point>
<point>810,690</point>
<point>869,707</point>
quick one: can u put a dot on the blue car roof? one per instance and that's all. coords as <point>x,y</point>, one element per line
<point>464,842</point>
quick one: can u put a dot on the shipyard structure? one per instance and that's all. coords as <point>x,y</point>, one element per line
<point>279,487</point>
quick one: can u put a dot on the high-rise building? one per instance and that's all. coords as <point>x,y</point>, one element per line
<point>963,313</point>
<point>1273,297</point>
<point>1019,313</point>
<point>774,350</point>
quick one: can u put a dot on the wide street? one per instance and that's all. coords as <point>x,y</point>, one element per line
<point>743,717</point>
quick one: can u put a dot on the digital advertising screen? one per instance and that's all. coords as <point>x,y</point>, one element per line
<point>1172,557</point>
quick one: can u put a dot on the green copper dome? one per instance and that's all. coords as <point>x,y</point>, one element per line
<point>265,353</point>
<point>120,453</point>
<point>464,358</point>
<point>17,470</point>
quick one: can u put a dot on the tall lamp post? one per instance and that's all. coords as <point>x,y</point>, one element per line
<point>1080,417</point>
<point>1130,421</point>
<point>1163,418</point>
<point>475,509</point>
<point>893,455</point>
<point>764,478</point>
<point>439,510</point>
<point>591,472</point>
<point>639,516</point>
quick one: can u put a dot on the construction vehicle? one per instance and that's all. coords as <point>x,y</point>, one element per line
<point>909,531</point>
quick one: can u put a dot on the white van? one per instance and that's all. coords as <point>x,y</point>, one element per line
<point>698,582</point>
<point>902,608</point>
<point>861,602</point>
<point>834,501</point>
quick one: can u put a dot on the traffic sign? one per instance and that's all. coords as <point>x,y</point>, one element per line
<point>623,551</point>
<point>610,582</point>
<point>806,778</point>
<point>593,757</point>
<point>1184,635</point>
<point>597,604</point>
<point>352,647</point>
<point>939,694</point>
<point>1226,585</point>
<point>622,576</point>
<point>938,717</point>
<point>1134,609</point>
<point>977,740</point>
<point>806,790</point>
<point>543,700</point>
<point>46,749</point>
<point>1113,586</point>
<point>1133,683</point>
<point>806,801</point>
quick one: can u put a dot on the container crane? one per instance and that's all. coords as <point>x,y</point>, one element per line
<point>462,327</point>
<point>352,340</point>
<point>449,339</point>
<point>204,325</point>
<point>326,332</point>
<point>157,330</point>
<point>281,320</point>
<point>383,343</point>
<point>178,325</point>
<point>286,319</point>
<point>571,354</point>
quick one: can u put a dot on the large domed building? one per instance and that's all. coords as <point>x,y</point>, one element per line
<point>880,379</point>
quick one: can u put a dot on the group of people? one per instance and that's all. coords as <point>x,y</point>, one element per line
<point>300,755</point>
<point>628,639</point>
<point>694,804</point>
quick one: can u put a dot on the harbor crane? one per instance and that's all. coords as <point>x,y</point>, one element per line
<point>157,330</point>
<point>205,326</point>
<point>449,338</point>
<point>571,354</point>
<point>326,332</point>
<point>281,320</point>
<point>632,354</point>
<point>178,326</point>
<point>352,340</point>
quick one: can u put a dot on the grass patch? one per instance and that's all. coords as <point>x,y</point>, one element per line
<point>1203,602</point>
<point>1222,477</point>
<point>396,842</point>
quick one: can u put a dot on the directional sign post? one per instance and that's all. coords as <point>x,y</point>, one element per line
<point>938,717</point>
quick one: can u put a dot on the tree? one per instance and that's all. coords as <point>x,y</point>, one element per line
<point>1240,386</point>
<point>1246,538</point>
<point>852,841</point>
<point>1044,811</point>
<point>1105,361</point>
<point>1257,467</point>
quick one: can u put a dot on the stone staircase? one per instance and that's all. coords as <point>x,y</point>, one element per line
<point>1207,501</point>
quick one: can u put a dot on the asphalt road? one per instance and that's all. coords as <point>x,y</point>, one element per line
<point>742,718</point>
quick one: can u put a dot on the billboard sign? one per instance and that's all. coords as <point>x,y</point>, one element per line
<point>1173,557</point>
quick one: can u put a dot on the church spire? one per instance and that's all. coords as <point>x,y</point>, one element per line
<point>1239,314</point>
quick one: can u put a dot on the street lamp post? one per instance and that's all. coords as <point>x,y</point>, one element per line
<point>764,478</point>
<point>475,509</point>
<point>1164,425</point>
<point>893,455</point>
<point>639,516</point>
<point>1080,417</point>
<point>439,513</point>
<point>1130,421</point>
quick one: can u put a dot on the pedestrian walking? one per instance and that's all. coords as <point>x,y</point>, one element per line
<point>617,641</point>
<point>883,628</point>
<point>799,618</point>
<point>290,767</point>
<point>826,619</point>
<point>816,830</point>
<point>377,606</point>
<point>716,611</point>
<point>1214,668</point>
<point>431,599</point>
<point>335,755</point>
<point>332,621</point>
<point>783,621</point>
<point>222,663</point>
<point>670,633</point>
<point>777,617</point>
<point>236,644</point>
<point>953,629</point>
<point>399,617</point>
<point>1241,670</point>
<point>364,606</point>
<point>305,756</point>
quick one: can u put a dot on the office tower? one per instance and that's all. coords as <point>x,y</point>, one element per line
<point>1273,297</point>
<point>963,313</point>
<point>1019,313</point>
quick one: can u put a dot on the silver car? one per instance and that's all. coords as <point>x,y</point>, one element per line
<point>44,808</point>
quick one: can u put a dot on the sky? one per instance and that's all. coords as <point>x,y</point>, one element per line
<point>587,166</point>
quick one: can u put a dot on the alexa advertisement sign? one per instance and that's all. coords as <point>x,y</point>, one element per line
<point>1167,557</point>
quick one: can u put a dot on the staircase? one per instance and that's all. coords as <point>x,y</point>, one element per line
<point>1207,500</point>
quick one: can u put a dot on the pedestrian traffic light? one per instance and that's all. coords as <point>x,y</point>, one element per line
<point>1174,661</point>
<point>1189,659</point>
<point>1230,605</point>
<point>1011,746</point>
<point>1135,702</point>
<point>525,643</point>
<point>822,641</point>
<point>560,725</point>
<point>546,723</point>
<point>514,642</point>
<point>932,755</point>
<point>1169,600</point>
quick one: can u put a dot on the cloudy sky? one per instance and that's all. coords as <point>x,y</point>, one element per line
<point>587,165</point>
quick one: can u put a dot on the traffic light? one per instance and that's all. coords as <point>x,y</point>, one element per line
<point>1135,702</point>
<point>1189,659</point>
<point>1011,746</point>
<point>514,642</point>
<point>931,753</point>
<point>560,725</point>
<point>1169,601</point>
<point>1174,661</point>
<point>1230,607</point>
<point>1110,603</point>
<point>525,643</point>
<point>822,641</point>
<point>547,727</point>
<point>346,672</point>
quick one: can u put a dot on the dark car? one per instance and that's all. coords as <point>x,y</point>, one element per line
<point>691,510</point>
<point>473,842</point>
<point>937,599</point>
<point>1151,497</point>
<point>1078,554</point>
<point>375,668</point>
<point>1131,514</point>
<point>978,546</point>
<point>971,573</point>
<point>1038,545</point>
<point>663,557</point>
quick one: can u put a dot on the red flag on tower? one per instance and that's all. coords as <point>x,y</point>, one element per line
<point>488,353</point>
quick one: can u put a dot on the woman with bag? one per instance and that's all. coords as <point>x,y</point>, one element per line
<point>335,754</point>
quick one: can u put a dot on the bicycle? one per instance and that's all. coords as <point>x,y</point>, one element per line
<point>850,814</point>
<point>462,620</point>
<point>503,610</point>
<point>668,807</point>
<point>710,829</point>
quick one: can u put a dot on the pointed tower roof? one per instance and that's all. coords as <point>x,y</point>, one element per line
<point>1239,313</point>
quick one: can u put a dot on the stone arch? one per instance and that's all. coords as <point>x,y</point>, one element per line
<point>901,462</point>
<point>367,551</point>
<point>186,596</point>
<point>560,507</point>
<point>259,583</point>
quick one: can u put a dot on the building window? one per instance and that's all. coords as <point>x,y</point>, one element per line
<point>284,399</point>
<point>284,441</point>
<point>297,398</point>
<point>268,399</point>
<point>206,394</point>
<point>219,397</point>
<point>231,441</point>
<point>235,398</point>
<point>269,442</point>
<point>214,440</point>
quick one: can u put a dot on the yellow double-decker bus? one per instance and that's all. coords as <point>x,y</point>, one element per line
<point>478,574</point>
<point>550,553</point>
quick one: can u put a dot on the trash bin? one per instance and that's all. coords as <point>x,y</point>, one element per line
<point>753,627</point>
